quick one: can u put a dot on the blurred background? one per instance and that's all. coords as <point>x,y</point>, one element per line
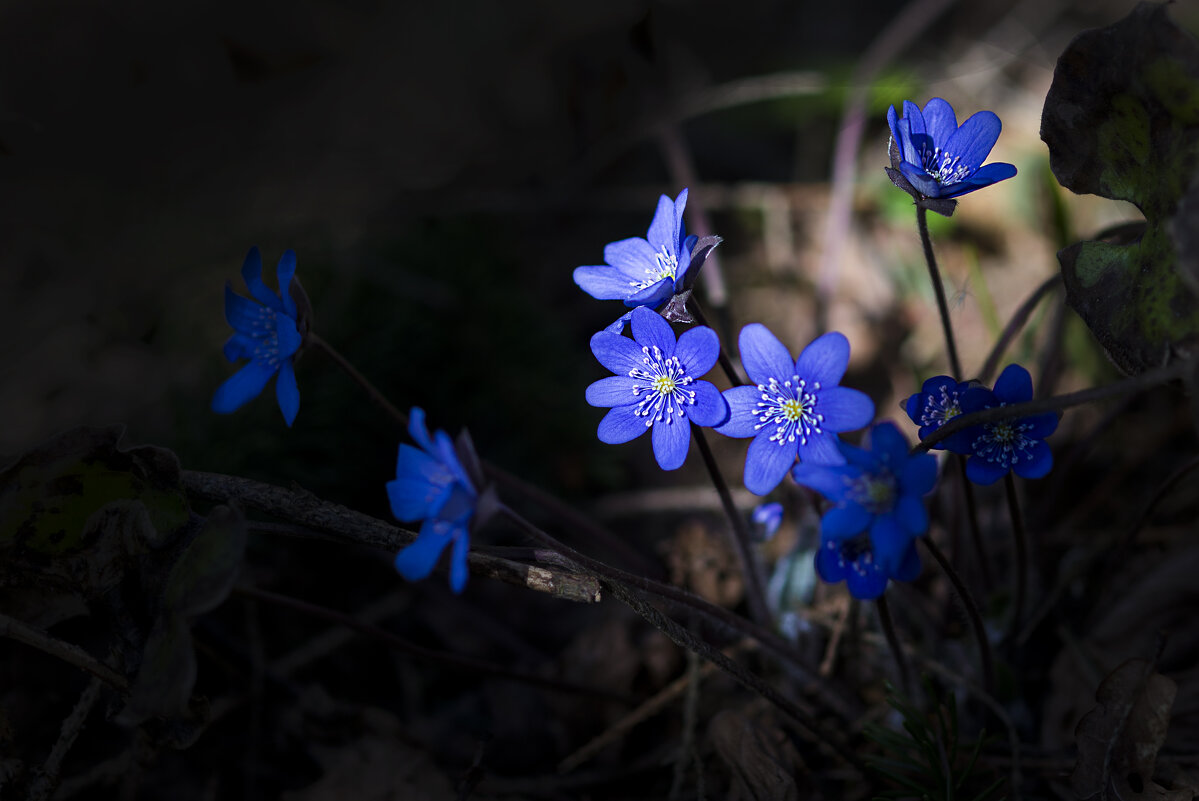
<point>440,170</point>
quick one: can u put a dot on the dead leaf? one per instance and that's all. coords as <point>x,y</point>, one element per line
<point>1118,740</point>
<point>763,762</point>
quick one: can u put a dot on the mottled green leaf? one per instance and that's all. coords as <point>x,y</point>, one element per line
<point>1122,121</point>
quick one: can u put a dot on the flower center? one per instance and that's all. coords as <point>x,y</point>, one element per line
<point>791,408</point>
<point>874,492</point>
<point>665,265</point>
<point>856,552</point>
<point>945,167</point>
<point>266,337</point>
<point>1004,443</point>
<point>664,381</point>
<point>940,408</point>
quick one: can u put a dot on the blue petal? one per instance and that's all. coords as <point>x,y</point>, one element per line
<point>831,481</point>
<point>615,390</point>
<point>889,444</point>
<point>983,472</point>
<point>286,391</point>
<point>619,354</point>
<point>893,123</point>
<point>663,231</point>
<point>845,521</point>
<point>924,183</point>
<point>411,494</point>
<point>710,408</point>
<point>763,356</point>
<point>912,132</point>
<point>650,329</point>
<point>941,124</point>
<point>619,425</point>
<point>824,360</point>
<point>914,407</point>
<point>830,565</point>
<point>918,475</point>
<point>821,449</point>
<point>743,412</point>
<point>418,559</point>
<point>242,387</point>
<point>284,271</point>
<point>458,561</point>
<point>672,439</point>
<point>912,515</point>
<point>844,409</point>
<point>633,257</point>
<point>975,399</point>
<point>867,586</point>
<point>769,516</point>
<point>239,346</point>
<point>617,326</point>
<point>1042,425</point>
<point>698,349</point>
<point>1040,463</point>
<point>909,566</point>
<point>653,295</point>
<point>984,176</point>
<point>1014,385</point>
<point>418,430</point>
<point>766,463</point>
<point>603,283</point>
<point>288,337</point>
<point>973,141</point>
<point>251,272</point>
<point>246,316</point>
<point>889,543</point>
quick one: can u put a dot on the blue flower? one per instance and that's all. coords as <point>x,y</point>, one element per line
<point>768,517</point>
<point>868,536</point>
<point>940,159</point>
<point>796,408</point>
<point>643,272</point>
<point>267,333</point>
<point>432,485</point>
<point>656,385</point>
<point>938,401</point>
<point>1000,447</point>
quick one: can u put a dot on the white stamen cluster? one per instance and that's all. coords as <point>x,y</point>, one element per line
<point>940,408</point>
<point>665,379</point>
<point>791,408</point>
<point>945,167</point>
<point>665,266</point>
<point>266,337</point>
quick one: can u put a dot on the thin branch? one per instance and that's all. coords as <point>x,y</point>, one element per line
<point>976,620</point>
<point>1014,326</point>
<point>67,652</point>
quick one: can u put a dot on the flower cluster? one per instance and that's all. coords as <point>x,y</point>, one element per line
<point>993,449</point>
<point>868,536</point>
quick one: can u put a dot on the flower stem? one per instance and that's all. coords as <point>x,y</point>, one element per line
<point>1021,539</point>
<point>976,621</point>
<point>358,378</point>
<point>825,693</point>
<point>754,594</point>
<point>980,552</point>
<point>934,275</point>
<point>725,363</point>
<point>884,619</point>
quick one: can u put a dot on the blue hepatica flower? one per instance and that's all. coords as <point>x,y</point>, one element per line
<point>941,159</point>
<point>657,385</point>
<point>938,401</point>
<point>1006,445</point>
<point>643,272</point>
<point>768,517</point>
<point>868,536</point>
<point>796,407</point>
<point>432,485</point>
<point>267,333</point>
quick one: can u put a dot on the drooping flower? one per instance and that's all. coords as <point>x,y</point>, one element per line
<point>938,158</point>
<point>657,385</point>
<point>868,536</point>
<point>268,333</point>
<point>1006,445</point>
<point>432,485</point>
<point>643,272</point>
<point>938,401</point>
<point>795,407</point>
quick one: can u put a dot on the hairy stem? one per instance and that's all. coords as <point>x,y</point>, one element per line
<point>951,348</point>
<point>888,626</point>
<point>1020,538</point>
<point>976,621</point>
